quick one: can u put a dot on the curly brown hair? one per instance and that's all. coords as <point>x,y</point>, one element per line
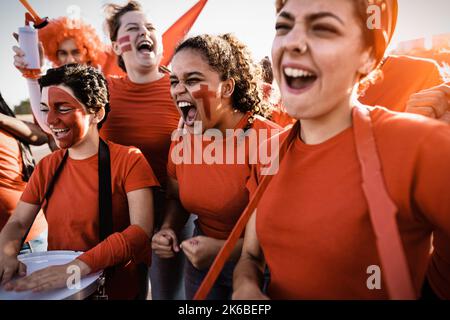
<point>231,59</point>
<point>87,83</point>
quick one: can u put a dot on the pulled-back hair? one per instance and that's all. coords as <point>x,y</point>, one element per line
<point>114,13</point>
<point>87,83</point>
<point>231,59</point>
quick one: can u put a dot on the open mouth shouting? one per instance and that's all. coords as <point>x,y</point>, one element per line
<point>146,48</point>
<point>189,111</point>
<point>299,79</point>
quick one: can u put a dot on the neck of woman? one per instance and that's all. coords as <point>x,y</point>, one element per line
<point>87,147</point>
<point>141,76</point>
<point>320,129</point>
<point>229,119</point>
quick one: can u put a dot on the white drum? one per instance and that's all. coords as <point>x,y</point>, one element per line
<point>40,260</point>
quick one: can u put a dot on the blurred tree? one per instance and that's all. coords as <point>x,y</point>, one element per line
<point>23,108</point>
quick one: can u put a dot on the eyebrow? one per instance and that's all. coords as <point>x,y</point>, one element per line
<point>312,17</point>
<point>63,50</point>
<point>131,23</point>
<point>187,75</point>
<point>194,73</point>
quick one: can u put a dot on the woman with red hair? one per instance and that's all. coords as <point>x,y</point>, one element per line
<point>65,40</point>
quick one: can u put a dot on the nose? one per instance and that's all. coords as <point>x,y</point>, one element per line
<point>143,31</point>
<point>52,117</point>
<point>296,40</point>
<point>178,89</point>
<point>70,59</point>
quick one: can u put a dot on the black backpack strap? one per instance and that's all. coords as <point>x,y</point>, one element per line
<point>104,191</point>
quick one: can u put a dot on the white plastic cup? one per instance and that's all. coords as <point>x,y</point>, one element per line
<point>28,42</point>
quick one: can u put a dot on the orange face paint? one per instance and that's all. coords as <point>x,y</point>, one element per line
<point>66,117</point>
<point>204,94</point>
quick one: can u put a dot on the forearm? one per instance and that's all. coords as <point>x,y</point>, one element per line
<point>24,131</point>
<point>248,274</point>
<point>132,244</point>
<point>175,216</point>
<point>11,237</point>
<point>236,254</point>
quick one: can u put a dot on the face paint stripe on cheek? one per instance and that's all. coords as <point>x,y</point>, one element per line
<point>124,43</point>
<point>126,48</point>
<point>123,40</point>
<point>204,94</point>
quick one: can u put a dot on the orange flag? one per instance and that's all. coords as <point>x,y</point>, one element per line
<point>178,31</point>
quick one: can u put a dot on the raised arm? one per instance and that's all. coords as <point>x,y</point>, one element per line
<point>23,130</point>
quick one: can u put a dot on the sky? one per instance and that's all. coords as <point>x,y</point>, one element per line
<point>252,21</point>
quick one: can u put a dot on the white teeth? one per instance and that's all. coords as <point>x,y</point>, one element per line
<point>296,73</point>
<point>184,104</point>
<point>59,130</point>
<point>145,42</point>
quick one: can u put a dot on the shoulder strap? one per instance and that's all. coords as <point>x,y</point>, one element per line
<point>104,191</point>
<point>382,210</point>
<point>235,234</point>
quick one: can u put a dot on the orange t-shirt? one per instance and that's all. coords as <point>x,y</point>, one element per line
<point>313,223</point>
<point>402,77</point>
<point>10,163</point>
<point>12,184</point>
<point>72,211</point>
<point>11,181</point>
<point>217,192</point>
<point>144,116</point>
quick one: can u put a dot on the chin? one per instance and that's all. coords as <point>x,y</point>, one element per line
<point>147,61</point>
<point>62,145</point>
<point>297,110</point>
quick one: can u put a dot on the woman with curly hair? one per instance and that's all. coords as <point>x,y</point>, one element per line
<point>214,85</point>
<point>360,190</point>
<point>75,100</point>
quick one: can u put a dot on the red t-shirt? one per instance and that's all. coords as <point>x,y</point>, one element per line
<point>313,223</point>
<point>402,77</point>
<point>216,192</point>
<point>12,184</point>
<point>144,116</point>
<point>72,211</point>
<point>11,181</point>
<point>10,163</point>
